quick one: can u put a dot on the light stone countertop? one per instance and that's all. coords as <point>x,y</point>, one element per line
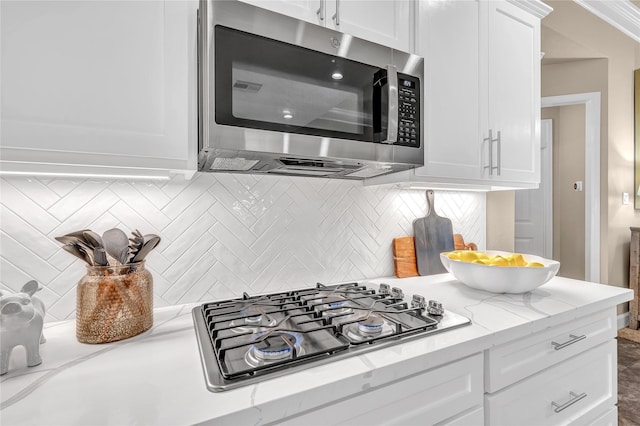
<point>156,378</point>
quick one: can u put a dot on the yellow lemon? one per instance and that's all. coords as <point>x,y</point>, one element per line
<point>453,255</point>
<point>468,256</point>
<point>481,261</point>
<point>518,260</point>
<point>535,265</point>
<point>498,261</point>
<point>481,255</point>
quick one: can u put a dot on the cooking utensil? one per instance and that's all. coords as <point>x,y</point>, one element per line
<point>93,238</point>
<point>100,257</point>
<point>433,235</point>
<point>116,243</point>
<point>150,242</point>
<point>76,238</point>
<point>77,252</point>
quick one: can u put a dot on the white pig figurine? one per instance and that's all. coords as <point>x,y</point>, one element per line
<point>21,324</point>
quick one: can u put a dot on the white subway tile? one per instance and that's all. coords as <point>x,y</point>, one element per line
<point>222,234</point>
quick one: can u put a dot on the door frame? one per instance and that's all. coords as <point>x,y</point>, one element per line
<point>591,101</point>
<point>547,182</point>
<point>546,189</point>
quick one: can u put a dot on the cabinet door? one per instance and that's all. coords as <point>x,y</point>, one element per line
<point>439,395</point>
<point>576,391</point>
<point>386,22</point>
<point>448,37</point>
<point>513,69</point>
<point>305,10</point>
<point>100,83</point>
<point>515,360</point>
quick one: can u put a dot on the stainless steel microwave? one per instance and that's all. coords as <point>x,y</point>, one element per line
<point>282,96</point>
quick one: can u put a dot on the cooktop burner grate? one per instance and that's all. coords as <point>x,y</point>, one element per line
<point>253,338</point>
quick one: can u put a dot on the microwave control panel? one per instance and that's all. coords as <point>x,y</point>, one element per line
<point>408,111</point>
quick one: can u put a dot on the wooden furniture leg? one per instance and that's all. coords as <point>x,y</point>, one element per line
<point>634,277</point>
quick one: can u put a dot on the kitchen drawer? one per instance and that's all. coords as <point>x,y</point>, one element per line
<point>610,418</point>
<point>474,417</point>
<point>582,387</point>
<point>427,398</point>
<point>513,361</point>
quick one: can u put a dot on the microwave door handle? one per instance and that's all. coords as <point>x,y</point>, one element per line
<point>392,125</point>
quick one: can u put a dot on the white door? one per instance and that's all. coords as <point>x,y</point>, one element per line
<point>387,22</point>
<point>106,84</point>
<point>452,93</point>
<point>513,109</point>
<point>306,10</point>
<point>533,207</point>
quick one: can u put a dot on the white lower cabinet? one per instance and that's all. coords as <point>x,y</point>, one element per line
<point>610,418</point>
<point>447,395</point>
<point>518,359</point>
<point>575,391</point>
<point>474,417</point>
<point>563,375</point>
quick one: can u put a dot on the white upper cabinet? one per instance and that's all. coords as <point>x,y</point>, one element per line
<point>513,99</point>
<point>99,86</point>
<point>386,22</point>
<point>448,39</point>
<point>305,10</point>
<point>481,94</point>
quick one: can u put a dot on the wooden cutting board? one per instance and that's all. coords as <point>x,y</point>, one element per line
<point>433,234</point>
<point>404,257</point>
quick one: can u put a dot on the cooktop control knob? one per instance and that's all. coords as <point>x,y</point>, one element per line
<point>397,293</point>
<point>418,301</point>
<point>435,308</point>
<point>384,289</point>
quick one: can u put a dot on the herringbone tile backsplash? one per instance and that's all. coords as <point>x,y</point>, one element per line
<point>222,234</point>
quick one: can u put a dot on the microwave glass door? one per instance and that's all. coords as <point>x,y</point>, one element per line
<point>267,84</point>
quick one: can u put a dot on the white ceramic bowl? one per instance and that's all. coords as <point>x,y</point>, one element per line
<point>502,279</point>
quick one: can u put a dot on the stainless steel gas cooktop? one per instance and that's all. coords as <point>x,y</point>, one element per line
<point>253,338</point>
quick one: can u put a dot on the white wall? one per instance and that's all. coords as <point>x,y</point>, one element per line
<point>222,234</point>
<point>575,24</point>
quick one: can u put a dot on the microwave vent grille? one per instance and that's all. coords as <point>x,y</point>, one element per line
<point>232,164</point>
<point>247,86</point>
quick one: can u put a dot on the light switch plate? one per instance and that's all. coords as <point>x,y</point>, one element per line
<point>625,198</point>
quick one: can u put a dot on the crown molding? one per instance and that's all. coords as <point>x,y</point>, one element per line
<point>535,7</point>
<point>622,14</point>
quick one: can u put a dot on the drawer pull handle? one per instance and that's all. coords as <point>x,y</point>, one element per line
<point>574,398</point>
<point>574,339</point>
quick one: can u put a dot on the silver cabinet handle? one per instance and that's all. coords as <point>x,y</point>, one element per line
<point>498,156</point>
<point>572,400</point>
<point>320,11</point>
<point>392,125</point>
<point>489,140</point>
<point>574,339</point>
<point>336,16</point>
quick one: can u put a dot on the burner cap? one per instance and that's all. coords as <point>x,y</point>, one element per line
<point>252,319</point>
<point>371,325</point>
<point>275,347</point>
<point>334,301</point>
<point>335,306</point>
<point>251,312</point>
